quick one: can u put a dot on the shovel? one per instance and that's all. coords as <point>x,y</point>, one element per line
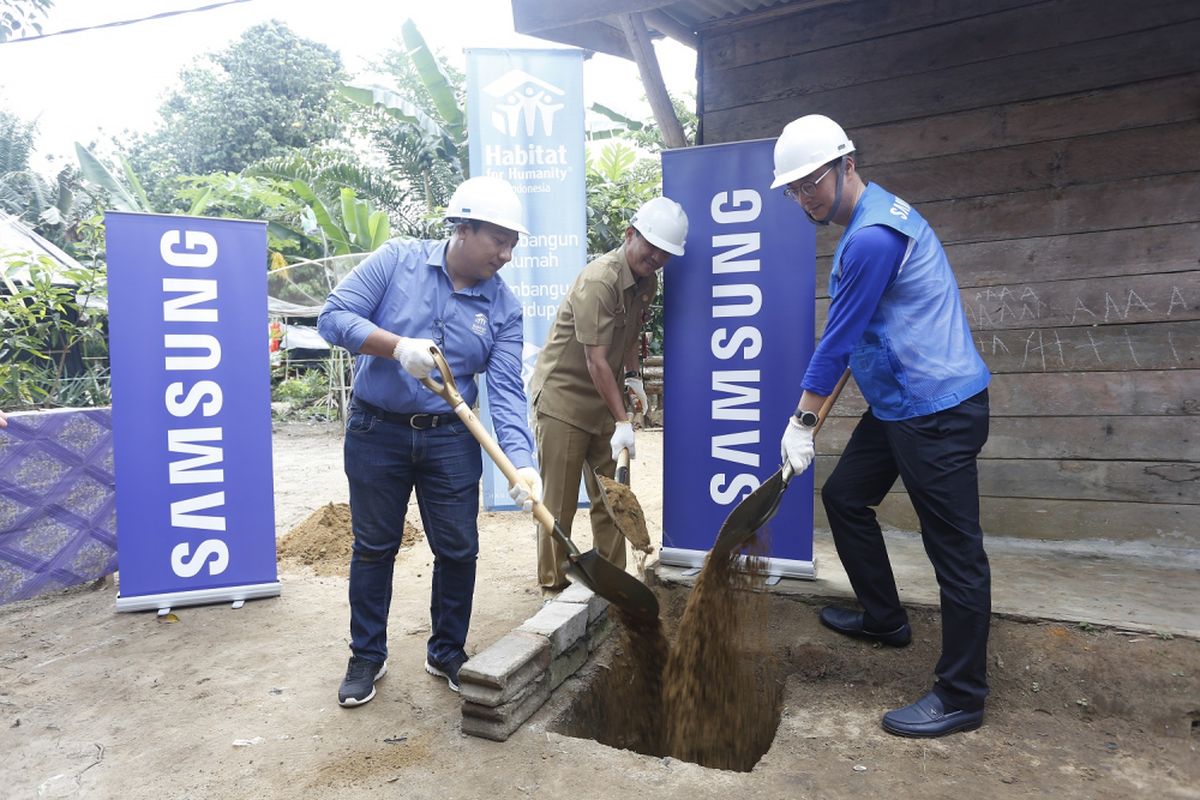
<point>756,509</point>
<point>604,578</point>
<point>634,529</point>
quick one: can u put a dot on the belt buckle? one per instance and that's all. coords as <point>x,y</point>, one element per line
<point>413,420</point>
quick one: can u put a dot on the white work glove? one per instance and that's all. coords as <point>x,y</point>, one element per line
<point>623,438</point>
<point>636,386</point>
<point>796,448</point>
<point>528,490</point>
<point>414,356</point>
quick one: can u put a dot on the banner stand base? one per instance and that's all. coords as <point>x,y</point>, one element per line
<point>782,567</point>
<point>225,594</point>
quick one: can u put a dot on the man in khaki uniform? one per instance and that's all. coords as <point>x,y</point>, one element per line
<point>578,405</point>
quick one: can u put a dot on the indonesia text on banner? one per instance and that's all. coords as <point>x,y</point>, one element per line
<point>191,410</point>
<point>738,334</point>
<point>526,123</point>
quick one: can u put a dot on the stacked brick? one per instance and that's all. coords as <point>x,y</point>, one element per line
<point>508,682</point>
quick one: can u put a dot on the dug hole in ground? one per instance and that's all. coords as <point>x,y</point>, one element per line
<point>242,703</point>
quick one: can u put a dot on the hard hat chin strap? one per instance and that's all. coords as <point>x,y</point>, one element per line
<point>837,197</point>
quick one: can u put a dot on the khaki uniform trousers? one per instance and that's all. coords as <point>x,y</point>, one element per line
<point>565,453</point>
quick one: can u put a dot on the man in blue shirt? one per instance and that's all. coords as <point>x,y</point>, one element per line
<point>895,315</point>
<point>408,295</point>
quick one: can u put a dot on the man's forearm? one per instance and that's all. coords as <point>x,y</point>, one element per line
<point>604,380</point>
<point>379,343</point>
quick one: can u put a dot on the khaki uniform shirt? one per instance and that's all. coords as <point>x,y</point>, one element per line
<point>606,306</point>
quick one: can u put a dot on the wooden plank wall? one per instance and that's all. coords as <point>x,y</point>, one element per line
<point>1055,148</point>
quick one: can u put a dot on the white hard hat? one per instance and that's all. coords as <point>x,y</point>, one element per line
<point>487,199</point>
<point>805,144</point>
<point>662,223</point>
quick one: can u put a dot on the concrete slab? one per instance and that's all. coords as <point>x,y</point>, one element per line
<point>495,675</point>
<point>1132,587</point>
<point>562,624</point>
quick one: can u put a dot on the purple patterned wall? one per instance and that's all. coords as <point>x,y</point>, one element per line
<point>57,503</point>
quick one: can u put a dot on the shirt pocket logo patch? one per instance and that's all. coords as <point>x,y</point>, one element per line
<point>479,326</point>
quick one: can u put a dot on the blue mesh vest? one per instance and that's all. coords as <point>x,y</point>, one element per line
<point>916,356</point>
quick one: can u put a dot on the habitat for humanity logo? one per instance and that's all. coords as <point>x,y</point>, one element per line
<point>479,326</point>
<point>523,100</point>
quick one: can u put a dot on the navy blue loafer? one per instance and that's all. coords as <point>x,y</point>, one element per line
<point>850,623</point>
<point>930,717</point>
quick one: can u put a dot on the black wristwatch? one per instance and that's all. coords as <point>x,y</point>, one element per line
<point>807,419</point>
<point>633,373</point>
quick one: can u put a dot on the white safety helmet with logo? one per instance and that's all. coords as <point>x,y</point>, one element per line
<point>805,144</point>
<point>487,199</point>
<point>662,222</point>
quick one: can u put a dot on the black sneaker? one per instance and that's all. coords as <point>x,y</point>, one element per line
<point>447,671</point>
<point>358,686</point>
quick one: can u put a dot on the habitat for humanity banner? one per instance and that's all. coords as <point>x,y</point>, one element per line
<point>738,335</point>
<point>526,124</point>
<point>191,410</point>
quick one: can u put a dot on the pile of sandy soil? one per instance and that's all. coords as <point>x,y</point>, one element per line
<point>322,541</point>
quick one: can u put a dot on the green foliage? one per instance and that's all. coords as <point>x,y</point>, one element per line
<point>303,389</point>
<point>619,180</point>
<point>306,219</point>
<point>230,195</point>
<point>443,85</point>
<point>41,204</point>
<point>127,195</point>
<point>359,229</point>
<point>328,169</point>
<point>650,136</point>
<point>644,134</point>
<point>267,94</point>
<point>19,18</point>
<point>307,392</point>
<point>420,123</point>
<point>54,351</point>
<point>16,179</point>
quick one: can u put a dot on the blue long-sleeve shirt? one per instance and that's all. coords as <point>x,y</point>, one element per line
<point>403,287</point>
<point>870,262</point>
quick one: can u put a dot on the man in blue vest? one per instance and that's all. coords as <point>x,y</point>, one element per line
<point>895,316</point>
<point>400,436</point>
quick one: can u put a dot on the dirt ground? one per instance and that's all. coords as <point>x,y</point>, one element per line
<point>242,703</point>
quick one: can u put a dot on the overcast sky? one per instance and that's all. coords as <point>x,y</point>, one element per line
<point>84,85</point>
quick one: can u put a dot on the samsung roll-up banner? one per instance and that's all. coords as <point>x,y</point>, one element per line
<point>525,115</point>
<point>738,335</point>
<point>191,410</point>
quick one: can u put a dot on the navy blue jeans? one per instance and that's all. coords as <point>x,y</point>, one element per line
<point>936,457</point>
<point>385,461</point>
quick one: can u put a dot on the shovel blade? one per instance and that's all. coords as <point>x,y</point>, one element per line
<point>608,580</point>
<point>755,511</point>
<point>617,586</point>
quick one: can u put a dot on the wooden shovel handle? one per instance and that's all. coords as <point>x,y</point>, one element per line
<point>827,406</point>
<point>622,473</point>
<point>448,391</point>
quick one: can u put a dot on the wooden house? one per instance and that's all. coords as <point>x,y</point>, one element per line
<point>1054,145</point>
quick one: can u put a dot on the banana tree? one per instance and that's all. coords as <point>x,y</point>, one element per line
<point>426,140</point>
<point>123,196</point>
<point>360,229</point>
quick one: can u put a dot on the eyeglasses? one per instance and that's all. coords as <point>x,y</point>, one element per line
<point>808,188</point>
